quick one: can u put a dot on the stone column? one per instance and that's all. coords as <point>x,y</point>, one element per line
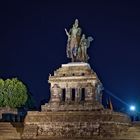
<point>89,95</point>
<point>55,94</point>
<point>77,97</point>
<point>68,95</point>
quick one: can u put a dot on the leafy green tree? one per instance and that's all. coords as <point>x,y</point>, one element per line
<point>13,93</point>
<point>30,103</point>
<point>1,91</point>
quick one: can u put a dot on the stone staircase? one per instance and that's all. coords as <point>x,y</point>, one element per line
<point>133,132</point>
<point>10,130</point>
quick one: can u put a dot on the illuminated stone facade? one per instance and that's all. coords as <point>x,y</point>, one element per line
<point>75,87</point>
<point>75,109</point>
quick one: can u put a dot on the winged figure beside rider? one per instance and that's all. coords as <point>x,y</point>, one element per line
<point>76,44</point>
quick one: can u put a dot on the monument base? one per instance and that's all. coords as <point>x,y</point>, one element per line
<point>75,124</point>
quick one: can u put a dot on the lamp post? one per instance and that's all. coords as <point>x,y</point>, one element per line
<point>132,112</point>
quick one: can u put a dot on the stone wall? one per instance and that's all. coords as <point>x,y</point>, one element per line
<point>72,117</point>
<point>74,86</point>
<point>5,110</point>
<point>76,124</point>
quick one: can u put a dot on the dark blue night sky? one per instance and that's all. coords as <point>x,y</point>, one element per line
<point>33,43</point>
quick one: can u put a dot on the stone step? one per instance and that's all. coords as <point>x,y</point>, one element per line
<point>95,138</point>
<point>4,123</point>
<point>9,134</point>
<point>9,138</point>
<point>9,131</point>
<point>8,128</point>
<point>133,133</point>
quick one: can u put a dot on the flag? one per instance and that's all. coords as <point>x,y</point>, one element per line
<point>110,104</point>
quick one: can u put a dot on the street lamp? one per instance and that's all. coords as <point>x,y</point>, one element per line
<point>132,109</point>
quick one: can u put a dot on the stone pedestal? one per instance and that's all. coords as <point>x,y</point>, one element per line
<point>74,87</point>
<point>75,124</point>
<point>75,110</point>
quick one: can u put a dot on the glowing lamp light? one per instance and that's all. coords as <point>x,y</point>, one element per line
<point>132,108</point>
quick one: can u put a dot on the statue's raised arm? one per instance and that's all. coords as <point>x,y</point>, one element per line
<point>67,33</point>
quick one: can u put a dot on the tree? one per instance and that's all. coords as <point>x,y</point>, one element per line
<point>13,93</point>
<point>1,91</point>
